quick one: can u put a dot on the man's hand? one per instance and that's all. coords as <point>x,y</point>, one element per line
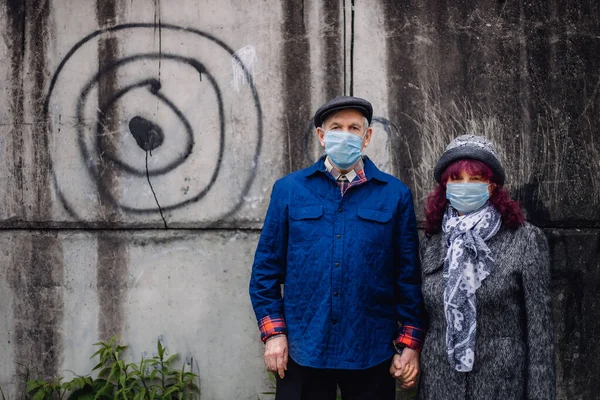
<point>276,355</point>
<point>405,368</point>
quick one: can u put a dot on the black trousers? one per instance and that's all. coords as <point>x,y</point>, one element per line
<point>305,383</point>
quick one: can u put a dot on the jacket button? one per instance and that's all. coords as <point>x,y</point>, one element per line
<point>336,294</point>
<point>340,210</point>
<point>333,322</point>
<point>337,264</point>
<point>339,236</point>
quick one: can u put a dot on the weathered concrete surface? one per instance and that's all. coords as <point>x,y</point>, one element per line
<point>190,74</point>
<point>576,287</point>
<point>217,98</point>
<point>523,73</point>
<point>189,288</point>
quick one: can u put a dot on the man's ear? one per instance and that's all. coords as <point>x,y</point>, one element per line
<point>321,136</point>
<point>367,138</point>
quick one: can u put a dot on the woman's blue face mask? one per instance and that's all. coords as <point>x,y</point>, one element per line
<point>467,197</point>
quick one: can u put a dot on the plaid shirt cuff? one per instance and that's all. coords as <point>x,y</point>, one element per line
<point>271,325</point>
<point>410,337</point>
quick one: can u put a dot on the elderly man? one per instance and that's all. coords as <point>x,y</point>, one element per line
<point>341,236</point>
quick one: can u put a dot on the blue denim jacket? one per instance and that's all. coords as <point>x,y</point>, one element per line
<point>349,266</point>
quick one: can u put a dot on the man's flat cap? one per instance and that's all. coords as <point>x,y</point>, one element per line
<point>340,103</point>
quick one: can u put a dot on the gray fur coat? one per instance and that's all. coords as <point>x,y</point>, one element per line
<point>514,357</point>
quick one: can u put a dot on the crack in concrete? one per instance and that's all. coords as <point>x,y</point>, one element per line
<point>349,64</point>
<point>352,48</point>
<point>153,192</point>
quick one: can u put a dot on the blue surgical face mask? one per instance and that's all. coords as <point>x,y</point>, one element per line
<point>343,148</point>
<point>467,197</point>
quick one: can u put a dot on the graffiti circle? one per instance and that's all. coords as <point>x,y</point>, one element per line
<point>145,129</point>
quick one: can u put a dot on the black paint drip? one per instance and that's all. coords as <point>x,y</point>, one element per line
<point>147,134</point>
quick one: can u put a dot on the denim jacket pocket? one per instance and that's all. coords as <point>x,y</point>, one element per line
<point>305,224</point>
<point>374,215</point>
<point>307,212</point>
<point>374,226</point>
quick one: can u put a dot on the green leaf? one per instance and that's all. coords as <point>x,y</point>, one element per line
<point>172,358</point>
<point>85,393</point>
<point>171,391</point>
<point>40,395</point>
<point>104,373</point>
<point>34,384</point>
<point>96,353</point>
<point>161,350</point>
<point>105,389</point>
<point>98,366</point>
<point>192,386</point>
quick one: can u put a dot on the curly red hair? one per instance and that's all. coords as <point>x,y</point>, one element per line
<point>435,207</point>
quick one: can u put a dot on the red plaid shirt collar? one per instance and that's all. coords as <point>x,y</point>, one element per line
<point>354,177</point>
<point>350,175</point>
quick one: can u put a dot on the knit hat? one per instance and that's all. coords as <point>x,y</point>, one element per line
<point>470,147</point>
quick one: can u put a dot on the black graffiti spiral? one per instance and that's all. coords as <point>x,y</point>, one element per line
<point>201,149</point>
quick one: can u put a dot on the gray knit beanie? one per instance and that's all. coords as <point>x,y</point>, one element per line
<point>471,147</point>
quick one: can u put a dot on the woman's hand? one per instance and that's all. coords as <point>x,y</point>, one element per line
<point>405,368</point>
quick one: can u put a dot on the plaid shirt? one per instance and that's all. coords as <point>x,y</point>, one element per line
<point>354,177</point>
<point>271,326</point>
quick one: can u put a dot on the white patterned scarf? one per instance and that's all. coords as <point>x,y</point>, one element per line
<point>468,262</point>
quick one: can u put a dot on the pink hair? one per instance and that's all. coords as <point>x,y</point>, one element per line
<point>436,204</point>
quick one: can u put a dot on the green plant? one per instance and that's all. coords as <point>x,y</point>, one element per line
<point>153,378</point>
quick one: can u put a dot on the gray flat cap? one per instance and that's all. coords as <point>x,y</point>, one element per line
<point>341,102</point>
<point>471,147</point>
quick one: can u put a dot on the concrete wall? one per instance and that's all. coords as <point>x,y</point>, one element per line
<point>139,141</point>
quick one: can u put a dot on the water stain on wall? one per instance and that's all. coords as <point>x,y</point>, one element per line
<point>35,271</point>
<point>35,276</point>
<point>111,283</point>
<point>402,91</point>
<point>333,49</point>
<point>39,34</point>
<point>296,80</point>
<point>112,252</point>
<point>15,30</point>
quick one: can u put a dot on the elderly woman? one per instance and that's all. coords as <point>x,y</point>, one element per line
<point>486,285</point>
